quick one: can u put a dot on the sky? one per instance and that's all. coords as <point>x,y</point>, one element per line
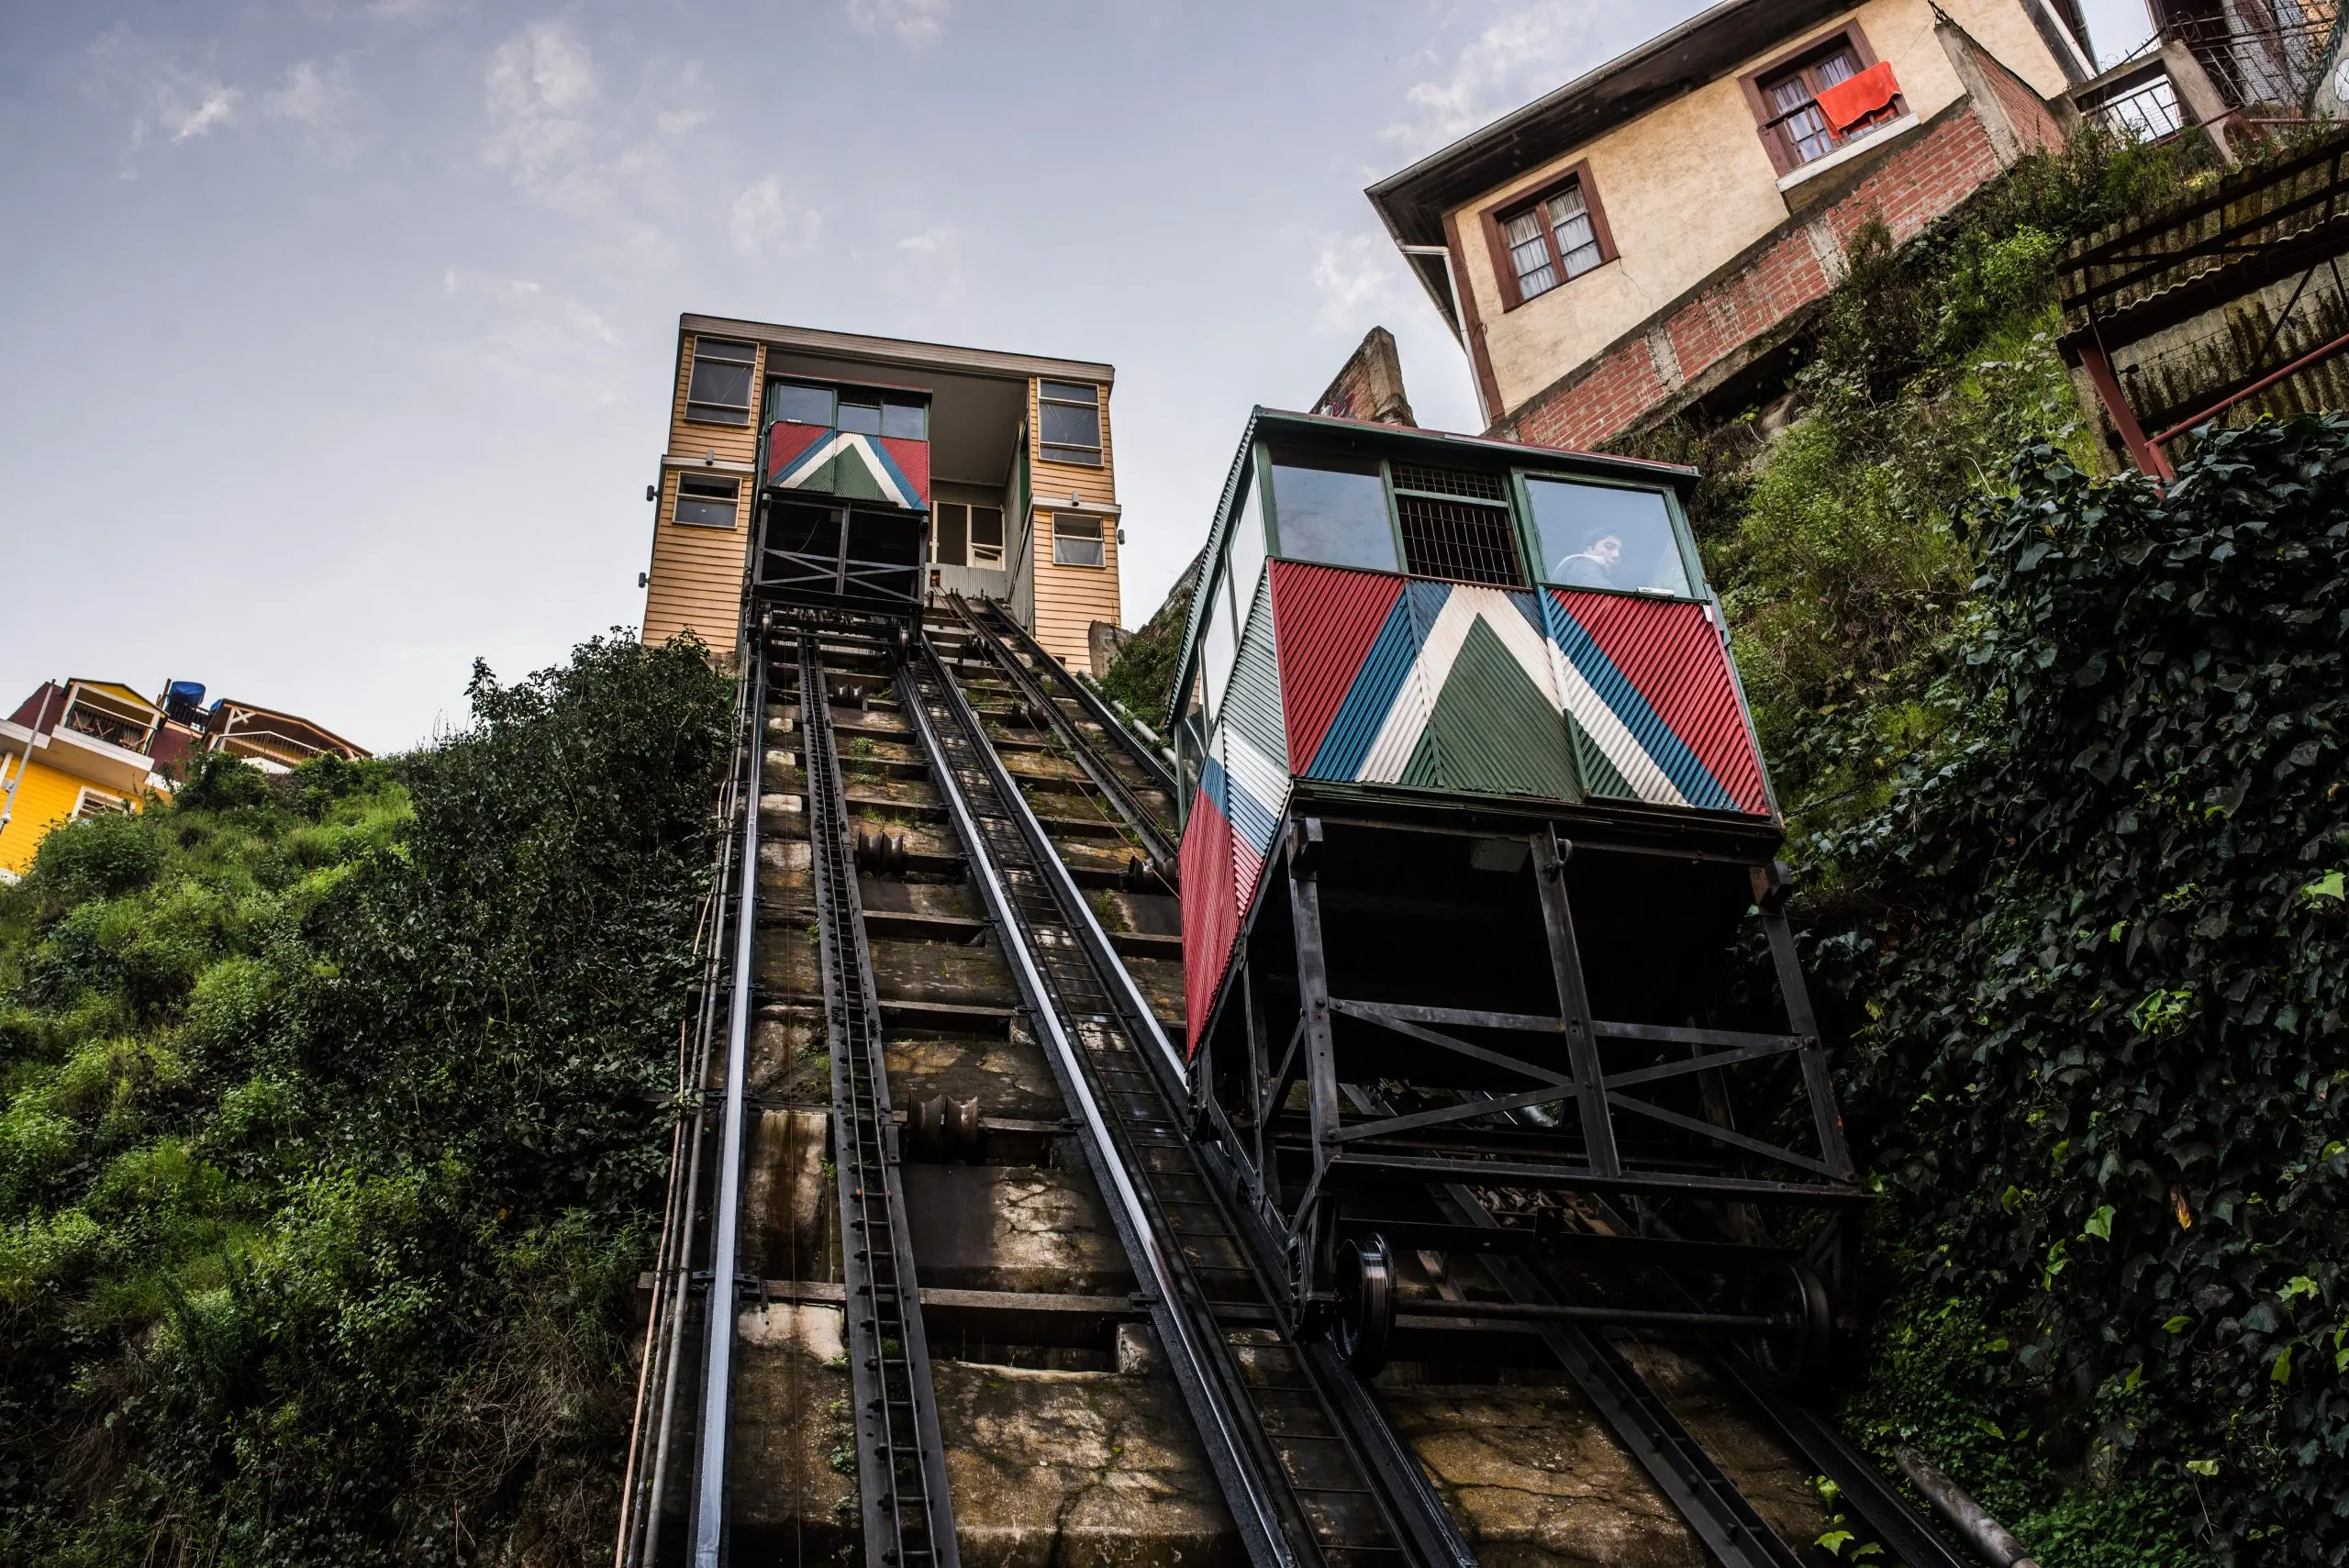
<point>336,336</point>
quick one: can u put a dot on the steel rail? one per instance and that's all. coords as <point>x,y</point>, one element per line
<point>1161,777</point>
<point>1352,1491</point>
<point>1240,1473</point>
<point>908,1510</point>
<point>1121,795</point>
<point>673,1282</point>
<point>717,1368</point>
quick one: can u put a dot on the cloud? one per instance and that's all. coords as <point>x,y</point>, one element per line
<point>320,102</point>
<point>929,264</point>
<point>1516,59</point>
<point>1355,276</point>
<point>539,88</point>
<point>912,21</point>
<point>767,221</point>
<point>519,329</point>
<point>173,93</point>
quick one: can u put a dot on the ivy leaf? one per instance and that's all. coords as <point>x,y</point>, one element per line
<point>2281,1370</point>
<point>2298,1286</point>
<point>2330,885</point>
<point>1834,1540</point>
<point>2203,1466</point>
<point>2099,1224</point>
<point>2177,1323</point>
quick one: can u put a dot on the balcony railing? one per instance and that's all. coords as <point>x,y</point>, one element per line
<point>2260,64</point>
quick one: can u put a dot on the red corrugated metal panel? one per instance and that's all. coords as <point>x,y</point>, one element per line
<point>1325,618</point>
<point>1673,653</point>
<point>1210,915</point>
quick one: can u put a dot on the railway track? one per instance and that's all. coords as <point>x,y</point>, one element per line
<point>939,1102</point>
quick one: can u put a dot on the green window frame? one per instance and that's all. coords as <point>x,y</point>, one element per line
<point>1683,537</point>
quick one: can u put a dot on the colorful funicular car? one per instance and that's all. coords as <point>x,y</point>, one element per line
<point>1477,838</point>
<point>843,505</point>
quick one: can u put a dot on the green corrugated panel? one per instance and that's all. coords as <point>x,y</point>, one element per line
<point>1252,704</point>
<point>1599,775</point>
<point>1494,731</point>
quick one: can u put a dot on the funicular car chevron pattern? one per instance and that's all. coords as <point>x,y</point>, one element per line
<point>1363,677</point>
<point>821,460</point>
<point>1453,686</point>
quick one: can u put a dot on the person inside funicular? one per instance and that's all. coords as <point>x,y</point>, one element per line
<point>1592,566</point>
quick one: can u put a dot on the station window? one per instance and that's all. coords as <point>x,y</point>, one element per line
<point>705,501</point>
<point>720,390</point>
<point>1070,415</point>
<point>1556,236</point>
<point>1076,540</point>
<point>1607,536</point>
<point>1333,510</point>
<point>951,534</point>
<point>986,537</point>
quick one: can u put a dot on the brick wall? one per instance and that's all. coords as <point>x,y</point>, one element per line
<point>1914,186</point>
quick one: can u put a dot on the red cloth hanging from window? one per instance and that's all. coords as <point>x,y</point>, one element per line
<point>1856,98</point>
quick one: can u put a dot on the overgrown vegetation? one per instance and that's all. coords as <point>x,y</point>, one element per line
<point>334,1119</point>
<point>1142,675</point>
<point>2100,937</point>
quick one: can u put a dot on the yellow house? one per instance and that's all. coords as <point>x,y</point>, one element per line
<point>1009,454</point>
<point>1650,235</point>
<point>73,749</point>
<point>79,746</point>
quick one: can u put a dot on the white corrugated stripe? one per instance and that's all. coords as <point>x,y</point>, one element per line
<point>848,441</point>
<point>1265,780</point>
<point>1621,747</point>
<point>1463,606</point>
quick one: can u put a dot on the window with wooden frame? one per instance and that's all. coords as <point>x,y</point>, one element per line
<point>98,802</point>
<point>1076,540</point>
<point>1549,238</point>
<point>1069,412</point>
<point>718,390</point>
<point>965,535</point>
<point>706,501</point>
<point>1785,97</point>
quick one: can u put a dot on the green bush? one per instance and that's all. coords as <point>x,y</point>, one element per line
<point>332,1127</point>
<point>2097,950</point>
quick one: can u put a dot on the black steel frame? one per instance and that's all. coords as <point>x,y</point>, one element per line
<point>838,579</point>
<point>1389,1148</point>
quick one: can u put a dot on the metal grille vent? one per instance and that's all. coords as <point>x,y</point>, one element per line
<point>1465,543</point>
<point>1450,482</point>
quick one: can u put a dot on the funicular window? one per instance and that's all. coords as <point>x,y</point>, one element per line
<point>1333,510</point>
<point>1455,523</point>
<point>796,403</point>
<point>1217,648</point>
<point>720,390</point>
<point>1607,536</point>
<point>1247,554</point>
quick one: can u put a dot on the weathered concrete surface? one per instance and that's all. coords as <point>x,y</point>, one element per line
<point>788,1205</point>
<point>1013,1228</point>
<point>973,974</point>
<point>791,1465</point>
<point>1535,1479</point>
<point>1774,1480</point>
<point>1077,1470</point>
<point>1160,981</point>
<point>1007,1077</point>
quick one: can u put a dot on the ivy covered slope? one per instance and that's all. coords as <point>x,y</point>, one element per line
<point>335,1119</point>
<point>2099,943</point>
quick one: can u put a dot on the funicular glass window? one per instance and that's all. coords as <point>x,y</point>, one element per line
<point>796,403</point>
<point>1607,536</point>
<point>1218,646</point>
<point>1247,550</point>
<point>860,414</point>
<point>903,419</point>
<point>1333,510</point>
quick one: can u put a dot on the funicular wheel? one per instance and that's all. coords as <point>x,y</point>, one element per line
<point>1793,1353</point>
<point>1366,1318</point>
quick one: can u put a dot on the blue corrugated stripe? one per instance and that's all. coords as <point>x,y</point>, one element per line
<point>1216,785</point>
<point>1370,697</point>
<point>1529,606</point>
<point>1689,776</point>
<point>1252,821</point>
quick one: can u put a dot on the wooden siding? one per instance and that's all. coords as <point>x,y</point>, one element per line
<point>44,801</point>
<point>1069,599</point>
<point>696,571</point>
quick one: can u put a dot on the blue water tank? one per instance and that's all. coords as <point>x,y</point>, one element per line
<point>183,701</point>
